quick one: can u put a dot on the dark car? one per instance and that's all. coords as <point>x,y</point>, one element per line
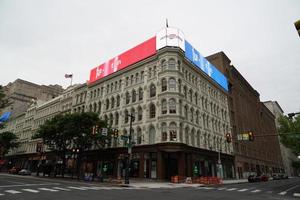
<point>14,170</point>
<point>258,178</point>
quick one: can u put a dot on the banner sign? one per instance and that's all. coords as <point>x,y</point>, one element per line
<point>5,116</point>
<point>134,55</point>
<point>171,37</point>
<point>202,63</point>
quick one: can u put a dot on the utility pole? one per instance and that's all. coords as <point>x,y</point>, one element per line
<point>129,150</point>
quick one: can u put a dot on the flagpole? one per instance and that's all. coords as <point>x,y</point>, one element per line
<point>71,79</point>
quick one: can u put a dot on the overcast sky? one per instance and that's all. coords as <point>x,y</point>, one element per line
<point>40,41</point>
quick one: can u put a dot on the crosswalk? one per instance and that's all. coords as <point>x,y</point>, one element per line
<point>60,189</point>
<point>251,190</point>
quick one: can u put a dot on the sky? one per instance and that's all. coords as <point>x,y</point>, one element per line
<point>41,41</point>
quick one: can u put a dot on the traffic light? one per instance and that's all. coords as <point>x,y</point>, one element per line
<point>228,137</point>
<point>251,136</point>
<point>115,133</point>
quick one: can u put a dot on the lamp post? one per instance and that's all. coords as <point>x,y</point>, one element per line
<point>129,150</point>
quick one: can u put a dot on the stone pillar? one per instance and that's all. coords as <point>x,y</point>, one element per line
<point>160,166</point>
<point>181,164</point>
<point>141,170</point>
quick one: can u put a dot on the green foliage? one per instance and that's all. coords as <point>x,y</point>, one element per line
<point>68,131</point>
<point>8,140</point>
<point>289,131</point>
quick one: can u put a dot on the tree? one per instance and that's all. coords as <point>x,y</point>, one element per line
<point>64,132</point>
<point>289,131</point>
<point>85,127</point>
<point>8,140</point>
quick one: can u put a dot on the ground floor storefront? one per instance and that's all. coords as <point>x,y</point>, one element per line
<point>159,161</point>
<point>249,166</point>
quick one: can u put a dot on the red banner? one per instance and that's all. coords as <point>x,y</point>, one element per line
<point>134,55</point>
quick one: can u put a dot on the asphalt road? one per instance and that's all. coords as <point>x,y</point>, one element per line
<point>15,187</point>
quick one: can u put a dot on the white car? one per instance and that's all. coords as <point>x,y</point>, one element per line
<point>24,172</point>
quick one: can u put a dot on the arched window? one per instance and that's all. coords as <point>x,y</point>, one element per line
<point>133,96</point>
<point>110,119</point>
<point>187,135</point>
<point>152,90</point>
<point>164,133</point>
<point>198,138</point>
<point>185,91</point>
<point>90,108</point>
<point>152,111</point>
<point>112,102</point>
<point>186,112</point>
<point>163,65</point>
<point>118,101</point>
<point>139,136</point>
<point>172,106</point>
<point>105,118</point>
<point>133,114</point>
<point>193,137</point>
<point>196,98</point>
<point>116,118</point>
<point>191,96</point>
<point>164,106</point>
<point>131,79</point>
<point>136,77</point>
<point>197,117</point>
<point>172,65</point>
<point>95,107</point>
<point>151,135</point>
<point>179,85</point>
<point>192,115</point>
<point>126,116</point>
<point>173,131</point>
<point>125,141</point>
<point>107,104</point>
<point>163,85</point>
<point>150,73</point>
<point>140,113</point>
<point>127,98</point>
<point>99,107</point>
<point>172,84</point>
<point>140,94</point>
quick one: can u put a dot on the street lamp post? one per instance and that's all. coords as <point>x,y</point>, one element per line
<point>129,150</point>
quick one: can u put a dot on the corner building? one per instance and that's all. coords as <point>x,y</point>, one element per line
<point>180,113</point>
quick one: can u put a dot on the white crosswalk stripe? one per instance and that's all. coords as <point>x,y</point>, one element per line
<point>31,190</point>
<point>77,188</point>
<point>243,190</point>
<point>222,188</point>
<point>12,191</point>
<point>282,193</point>
<point>48,189</point>
<point>1,194</point>
<point>296,194</point>
<point>231,189</point>
<point>255,191</point>
<point>59,188</point>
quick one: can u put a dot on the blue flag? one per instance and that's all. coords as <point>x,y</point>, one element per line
<point>5,116</point>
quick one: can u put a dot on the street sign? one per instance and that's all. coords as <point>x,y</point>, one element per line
<point>104,131</point>
<point>124,137</point>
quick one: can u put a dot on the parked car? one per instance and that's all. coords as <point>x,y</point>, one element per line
<point>13,170</point>
<point>256,178</point>
<point>279,176</point>
<point>24,172</point>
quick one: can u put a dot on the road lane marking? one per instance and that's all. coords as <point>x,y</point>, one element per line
<point>1,194</point>
<point>12,191</point>
<point>59,188</point>
<point>282,193</point>
<point>77,188</point>
<point>208,188</point>
<point>25,185</point>
<point>222,188</point>
<point>296,194</point>
<point>255,191</point>
<point>231,189</point>
<point>243,190</point>
<point>48,189</point>
<point>30,190</point>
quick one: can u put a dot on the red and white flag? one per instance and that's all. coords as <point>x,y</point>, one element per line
<point>68,75</point>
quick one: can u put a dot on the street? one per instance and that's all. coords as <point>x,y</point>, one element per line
<point>15,187</point>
